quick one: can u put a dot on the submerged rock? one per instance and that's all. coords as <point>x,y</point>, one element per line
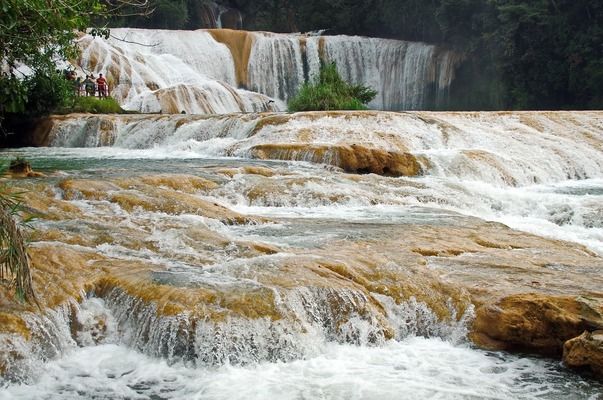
<point>172,194</point>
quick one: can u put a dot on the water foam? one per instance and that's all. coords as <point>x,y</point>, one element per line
<point>414,368</point>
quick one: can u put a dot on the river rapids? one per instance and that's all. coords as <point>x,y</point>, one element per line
<point>348,255</point>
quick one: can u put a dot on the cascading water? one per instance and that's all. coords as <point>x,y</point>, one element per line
<point>473,163</point>
<point>203,71</point>
<point>189,256</point>
<point>169,71</point>
<point>406,75</point>
<point>109,369</point>
<point>276,65</point>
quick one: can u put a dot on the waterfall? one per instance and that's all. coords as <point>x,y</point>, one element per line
<point>406,75</point>
<point>484,147</point>
<point>276,65</point>
<point>169,71</point>
<point>315,318</point>
<point>207,14</point>
<point>211,15</point>
<point>206,71</point>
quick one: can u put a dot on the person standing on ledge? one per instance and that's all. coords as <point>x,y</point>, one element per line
<point>89,86</point>
<point>102,86</point>
<point>77,86</point>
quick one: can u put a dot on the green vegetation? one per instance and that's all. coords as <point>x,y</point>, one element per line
<point>93,105</point>
<point>520,54</point>
<point>36,33</point>
<point>163,14</point>
<point>47,92</point>
<point>331,92</point>
<point>14,261</point>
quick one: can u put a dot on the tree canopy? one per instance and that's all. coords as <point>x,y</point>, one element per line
<point>34,36</point>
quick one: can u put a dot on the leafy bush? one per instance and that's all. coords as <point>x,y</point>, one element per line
<point>331,92</point>
<point>46,92</point>
<point>36,34</point>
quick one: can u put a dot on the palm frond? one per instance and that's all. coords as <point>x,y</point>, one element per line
<point>15,265</point>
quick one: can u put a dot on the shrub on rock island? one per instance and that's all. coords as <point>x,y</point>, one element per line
<point>331,92</point>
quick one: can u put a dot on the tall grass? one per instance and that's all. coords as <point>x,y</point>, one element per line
<point>94,105</point>
<point>331,92</point>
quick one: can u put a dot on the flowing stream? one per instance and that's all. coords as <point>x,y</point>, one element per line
<point>259,315</point>
<point>537,172</point>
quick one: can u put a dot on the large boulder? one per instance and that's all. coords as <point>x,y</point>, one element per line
<point>353,158</point>
<point>535,323</point>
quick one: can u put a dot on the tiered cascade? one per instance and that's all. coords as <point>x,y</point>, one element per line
<point>213,71</point>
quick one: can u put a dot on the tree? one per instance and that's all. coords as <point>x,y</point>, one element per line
<point>34,36</point>
<point>158,14</point>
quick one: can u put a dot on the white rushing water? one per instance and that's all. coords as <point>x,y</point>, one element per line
<point>406,75</point>
<point>414,367</point>
<point>169,71</point>
<point>174,71</point>
<point>411,369</point>
<point>537,172</point>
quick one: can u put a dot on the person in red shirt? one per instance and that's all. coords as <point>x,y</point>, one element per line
<point>101,82</point>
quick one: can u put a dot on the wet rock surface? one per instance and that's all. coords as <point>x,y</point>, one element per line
<point>585,350</point>
<point>351,158</point>
<point>535,322</point>
<point>529,293</point>
<point>385,143</point>
<point>274,252</point>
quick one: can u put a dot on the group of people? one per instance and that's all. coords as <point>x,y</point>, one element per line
<point>89,86</point>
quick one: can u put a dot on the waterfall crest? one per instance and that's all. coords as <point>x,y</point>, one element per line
<point>208,71</point>
<point>169,71</point>
<point>482,147</point>
<point>406,75</point>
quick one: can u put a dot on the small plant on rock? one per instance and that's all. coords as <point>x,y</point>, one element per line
<point>331,92</point>
<point>20,165</point>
